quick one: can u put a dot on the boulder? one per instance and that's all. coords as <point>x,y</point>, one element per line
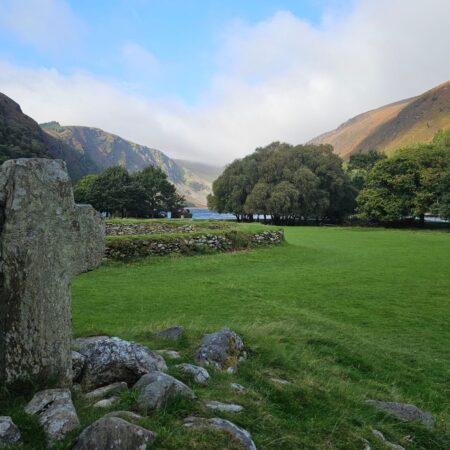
<point>171,354</point>
<point>156,389</point>
<point>223,350</point>
<point>125,415</point>
<point>106,391</point>
<point>379,435</point>
<point>9,433</point>
<point>106,402</point>
<point>45,240</point>
<point>237,387</point>
<point>113,433</point>
<point>199,374</point>
<point>172,333</point>
<point>77,365</point>
<point>110,359</point>
<point>241,435</point>
<point>55,412</point>
<point>223,407</point>
<point>404,411</point>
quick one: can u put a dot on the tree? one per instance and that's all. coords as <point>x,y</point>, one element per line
<point>82,190</point>
<point>360,164</point>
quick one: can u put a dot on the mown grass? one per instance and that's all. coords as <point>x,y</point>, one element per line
<point>344,314</point>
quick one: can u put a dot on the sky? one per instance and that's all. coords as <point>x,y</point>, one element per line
<point>211,80</point>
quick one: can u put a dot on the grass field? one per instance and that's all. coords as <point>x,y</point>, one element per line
<point>344,314</point>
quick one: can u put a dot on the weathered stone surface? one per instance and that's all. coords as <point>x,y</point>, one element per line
<point>172,333</point>
<point>241,435</point>
<point>223,350</point>
<point>9,433</point>
<point>237,387</point>
<point>77,365</point>
<point>379,435</point>
<point>125,415</point>
<point>55,412</point>
<point>113,433</point>
<point>404,411</point>
<point>281,381</point>
<point>45,240</point>
<point>223,407</point>
<point>106,402</point>
<point>106,391</point>
<point>110,359</point>
<point>199,374</point>
<point>158,388</point>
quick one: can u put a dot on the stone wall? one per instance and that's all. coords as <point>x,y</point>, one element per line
<point>124,248</point>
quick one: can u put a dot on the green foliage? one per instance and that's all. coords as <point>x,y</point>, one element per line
<point>410,184</point>
<point>360,164</point>
<point>147,193</point>
<point>286,182</point>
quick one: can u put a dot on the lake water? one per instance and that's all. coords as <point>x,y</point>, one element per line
<point>203,213</point>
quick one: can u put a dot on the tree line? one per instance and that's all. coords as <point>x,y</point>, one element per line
<point>116,192</point>
<point>294,184</point>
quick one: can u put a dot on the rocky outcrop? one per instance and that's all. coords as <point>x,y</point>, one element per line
<point>199,374</point>
<point>404,411</point>
<point>223,350</point>
<point>55,412</point>
<point>110,360</point>
<point>9,433</point>
<point>223,407</point>
<point>157,389</point>
<point>106,391</point>
<point>113,433</point>
<point>78,361</point>
<point>222,425</point>
<point>45,240</point>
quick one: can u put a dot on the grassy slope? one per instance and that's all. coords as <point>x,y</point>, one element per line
<point>344,314</point>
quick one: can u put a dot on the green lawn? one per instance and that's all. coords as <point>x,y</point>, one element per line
<point>345,314</point>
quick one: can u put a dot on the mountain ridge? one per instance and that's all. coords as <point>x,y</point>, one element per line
<point>391,126</point>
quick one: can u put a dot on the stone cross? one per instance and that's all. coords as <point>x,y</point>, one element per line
<point>45,240</point>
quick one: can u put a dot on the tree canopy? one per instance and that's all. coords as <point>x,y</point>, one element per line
<point>289,183</point>
<point>115,191</point>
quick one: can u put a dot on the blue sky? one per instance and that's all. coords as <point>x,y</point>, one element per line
<point>212,80</point>
<point>182,36</point>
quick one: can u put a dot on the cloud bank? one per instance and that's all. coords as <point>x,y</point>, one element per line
<point>280,79</point>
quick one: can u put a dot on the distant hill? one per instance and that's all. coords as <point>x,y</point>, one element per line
<point>88,150</point>
<point>392,126</point>
<point>106,149</point>
<point>205,171</point>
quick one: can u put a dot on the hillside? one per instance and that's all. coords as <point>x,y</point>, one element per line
<point>392,126</point>
<point>205,171</point>
<point>106,149</point>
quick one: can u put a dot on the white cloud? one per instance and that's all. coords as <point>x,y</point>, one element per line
<point>281,79</point>
<point>48,25</point>
<point>139,63</point>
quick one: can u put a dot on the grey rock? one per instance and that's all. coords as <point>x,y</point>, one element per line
<point>158,388</point>
<point>172,333</point>
<point>223,407</point>
<point>237,387</point>
<point>279,381</point>
<point>125,415</point>
<point>223,350</point>
<point>77,365</point>
<point>9,433</point>
<point>199,374</point>
<point>106,402</point>
<point>55,412</point>
<point>241,435</point>
<point>404,411</point>
<point>110,359</point>
<point>113,433</point>
<point>106,391</point>
<point>45,240</point>
<point>171,354</point>
<point>379,435</point>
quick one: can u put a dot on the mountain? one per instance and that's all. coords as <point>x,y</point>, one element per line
<point>88,150</point>
<point>107,149</point>
<point>392,126</point>
<point>205,171</point>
